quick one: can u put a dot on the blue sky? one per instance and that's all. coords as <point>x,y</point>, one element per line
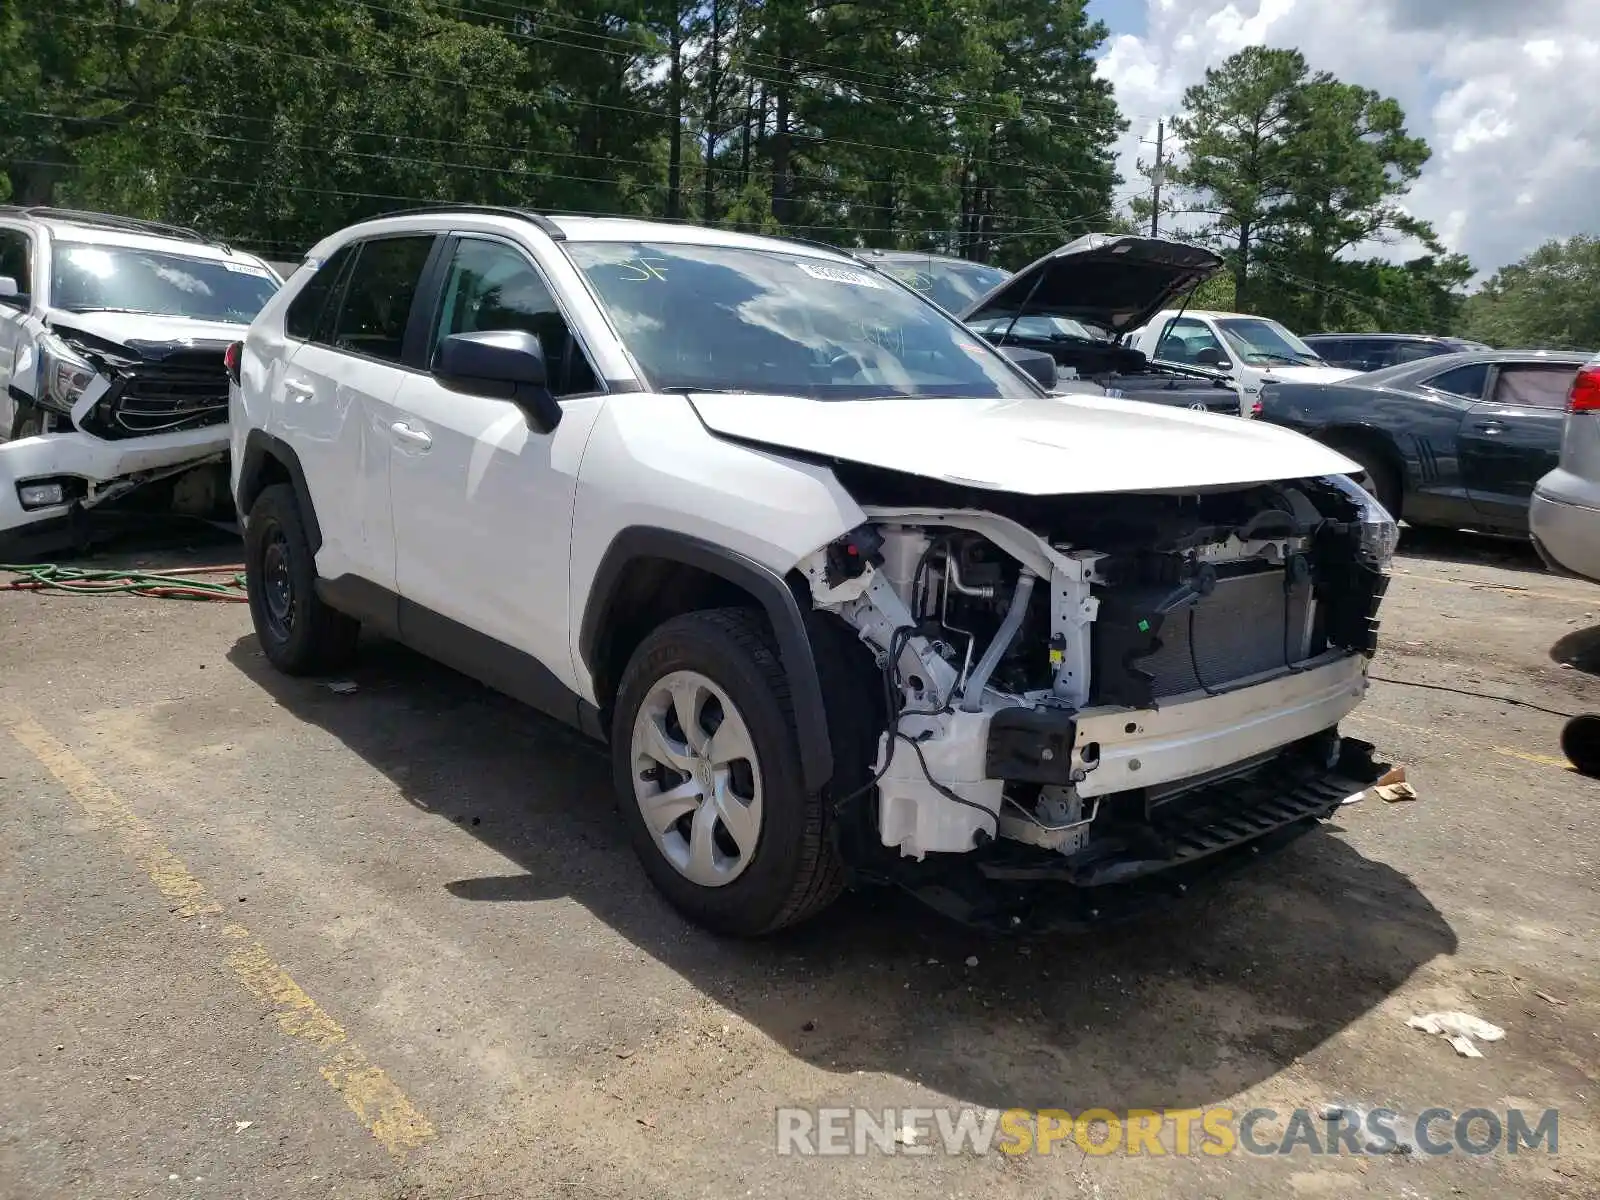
<point>1122,16</point>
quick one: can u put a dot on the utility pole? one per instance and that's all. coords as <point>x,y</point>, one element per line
<point>1155,182</point>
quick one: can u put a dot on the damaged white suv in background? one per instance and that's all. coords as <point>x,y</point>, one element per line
<point>112,335</point>
<point>852,600</point>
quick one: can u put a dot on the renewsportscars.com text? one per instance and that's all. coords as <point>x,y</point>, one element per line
<point>1216,1132</point>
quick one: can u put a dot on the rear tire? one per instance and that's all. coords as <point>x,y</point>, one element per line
<point>762,859</point>
<point>1377,476</point>
<point>299,634</point>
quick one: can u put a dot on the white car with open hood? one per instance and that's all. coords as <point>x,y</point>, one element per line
<point>112,336</point>
<point>850,597</point>
<point>1248,351</point>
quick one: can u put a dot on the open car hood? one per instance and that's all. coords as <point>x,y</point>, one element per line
<point>1118,282</point>
<point>1045,446</point>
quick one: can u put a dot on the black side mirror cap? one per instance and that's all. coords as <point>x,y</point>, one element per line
<point>503,364</point>
<point>1036,364</point>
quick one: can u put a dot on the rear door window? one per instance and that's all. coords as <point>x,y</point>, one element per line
<point>1534,386</point>
<point>1412,351</point>
<point>1335,351</point>
<point>305,318</point>
<point>377,298</point>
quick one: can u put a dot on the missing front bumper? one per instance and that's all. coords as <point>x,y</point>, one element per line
<point>1138,864</point>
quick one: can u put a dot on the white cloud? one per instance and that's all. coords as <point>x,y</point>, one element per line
<point>1502,92</point>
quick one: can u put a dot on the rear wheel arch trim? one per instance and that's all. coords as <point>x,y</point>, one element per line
<point>260,447</point>
<point>769,588</point>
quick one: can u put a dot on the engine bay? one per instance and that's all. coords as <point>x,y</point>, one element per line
<point>1051,661</point>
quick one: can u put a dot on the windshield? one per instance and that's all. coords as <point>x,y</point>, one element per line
<point>1036,329</point>
<point>89,278</point>
<point>953,286</point>
<point>727,318</point>
<point>1260,341</point>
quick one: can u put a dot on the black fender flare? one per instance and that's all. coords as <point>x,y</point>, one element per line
<point>769,588</point>
<point>259,448</point>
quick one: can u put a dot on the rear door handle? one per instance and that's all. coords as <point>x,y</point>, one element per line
<point>300,391</point>
<point>1490,427</point>
<point>410,436</point>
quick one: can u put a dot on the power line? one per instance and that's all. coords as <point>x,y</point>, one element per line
<point>1060,110</point>
<point>776,62</point>
<point>1379,306</point>
<point>162,107</point>
<point>434,202</point>
<point>483,87</point>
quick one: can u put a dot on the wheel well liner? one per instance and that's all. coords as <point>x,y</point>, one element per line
<point>269,460</point>
<point>650,574</point>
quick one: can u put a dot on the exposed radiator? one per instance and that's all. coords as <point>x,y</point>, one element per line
<point>1246,626</point>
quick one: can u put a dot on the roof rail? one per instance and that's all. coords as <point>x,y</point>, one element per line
<point>539,220</point>
<point>111,221</point>
<point>813,243</point>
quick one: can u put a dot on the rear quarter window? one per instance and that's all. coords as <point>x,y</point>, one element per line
<point>306,310</point>
<point>1467,382</point>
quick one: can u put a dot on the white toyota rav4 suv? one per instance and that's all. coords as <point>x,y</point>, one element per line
<point>112,334</point>
<point>850,598</point>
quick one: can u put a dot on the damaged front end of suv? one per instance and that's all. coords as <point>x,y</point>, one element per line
<point>1090,699</point>
<point>104,419</point>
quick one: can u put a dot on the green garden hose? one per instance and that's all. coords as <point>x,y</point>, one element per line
<point>48,577</point>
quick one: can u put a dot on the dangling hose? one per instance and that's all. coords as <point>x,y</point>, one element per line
<point>174,585</point>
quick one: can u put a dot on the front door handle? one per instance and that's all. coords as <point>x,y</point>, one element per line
<point>1490,427</point>
<point>410,436</point>
<point>300,391</point>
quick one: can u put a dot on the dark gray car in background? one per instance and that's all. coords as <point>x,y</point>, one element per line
<point>1457,440</point>
<point>1375,351</point>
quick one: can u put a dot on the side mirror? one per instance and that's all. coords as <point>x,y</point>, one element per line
<point>504,364</point>
<point>1036,364</point>
<point>1212,357</point>
<point>10,293</point>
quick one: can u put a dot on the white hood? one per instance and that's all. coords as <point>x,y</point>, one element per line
<point>1288,374</point>
<point>130,328</point>
<point>1045,446</point>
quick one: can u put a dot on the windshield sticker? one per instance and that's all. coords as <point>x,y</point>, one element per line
<point>839,275</point>
<point>247,269</point>
<point>642,270</point>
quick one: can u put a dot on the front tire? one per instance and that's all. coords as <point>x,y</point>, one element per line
<point>299,634</point>
<point>707,773</point>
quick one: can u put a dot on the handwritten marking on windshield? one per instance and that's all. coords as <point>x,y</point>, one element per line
<point>645,269</point>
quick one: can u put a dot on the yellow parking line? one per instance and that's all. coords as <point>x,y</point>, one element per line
<point>1543,760</point>
<point>377,1100</point>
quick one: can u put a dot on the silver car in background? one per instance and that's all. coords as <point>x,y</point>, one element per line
<point>1565,513</point>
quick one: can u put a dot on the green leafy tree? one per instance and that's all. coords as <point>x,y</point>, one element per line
<point>1550,299</point>
<point>973,126</point>
<point>1294,170</point>
<point>1236,130</point>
